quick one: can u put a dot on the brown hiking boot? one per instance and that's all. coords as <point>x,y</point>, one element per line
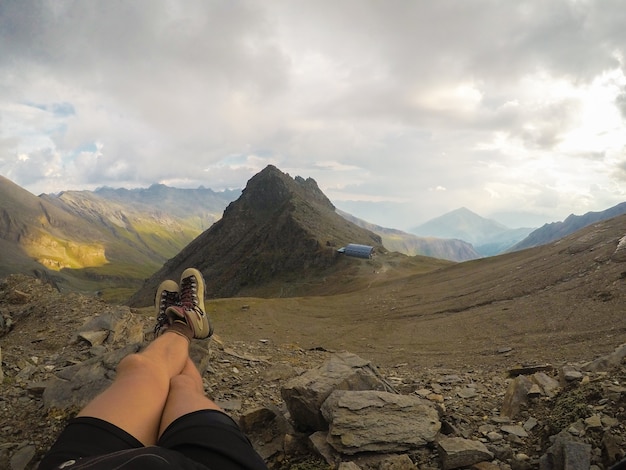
<point>167,295</point>
<point>191,308</point>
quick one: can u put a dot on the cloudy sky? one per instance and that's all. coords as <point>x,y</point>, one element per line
<point>401,110</point>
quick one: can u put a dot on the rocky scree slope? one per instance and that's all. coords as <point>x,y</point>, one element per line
<point>477,417</point>
<point>280,226</point>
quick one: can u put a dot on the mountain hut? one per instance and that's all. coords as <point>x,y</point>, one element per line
<point>358,251</point>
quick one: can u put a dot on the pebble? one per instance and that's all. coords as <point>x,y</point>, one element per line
<point>530,423</point>
<point>594,422</point>
<point>514,429</point>
<point>467,392</point>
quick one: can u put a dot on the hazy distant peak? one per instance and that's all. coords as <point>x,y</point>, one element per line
<point>463,224</point>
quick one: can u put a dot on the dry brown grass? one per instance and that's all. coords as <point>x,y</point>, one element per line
<point>560,302</point>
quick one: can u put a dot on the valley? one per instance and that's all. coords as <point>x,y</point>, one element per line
<point>559,302</point>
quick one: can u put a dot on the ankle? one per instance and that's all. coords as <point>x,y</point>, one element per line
<point>181,329</point>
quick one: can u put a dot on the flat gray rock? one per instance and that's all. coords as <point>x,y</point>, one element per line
<point>375,421</point>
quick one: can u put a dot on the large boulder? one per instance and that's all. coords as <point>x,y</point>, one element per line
<point>73,387</point>
<point>305,394</point>
<point>456,452</point>
<point>376,421</point>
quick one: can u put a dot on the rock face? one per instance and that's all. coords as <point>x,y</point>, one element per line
<point>278,226</point>
<point>374,421</point>
<point>304,395</point>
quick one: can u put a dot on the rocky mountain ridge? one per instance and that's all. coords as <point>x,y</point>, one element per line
<point>555,230</point>
<point>280,228</point>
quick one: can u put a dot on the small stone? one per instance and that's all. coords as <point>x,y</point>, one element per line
<point>529,369</point>
<point>609,422</point>
<point>229,405</point>
<point>577,428</point>
<point>566,454</point>
<point>486,466</point>
<point>500,419</point>
<point>450,379</point>
<point>494,436</point>
<point>549,385</point>
<point>514,429</point>
<point>516,396</point>
<point>437,398</point>
<point>94,338</point>
<point>348,466</point>
<point>456,452</point>
<point>36,388</point>
<point>397,462</point>
<point>570,374</point>
<point>594,422</point>
<point>98,350</point>
<point>486,428</point>
<point>530,423</point>
<point>467,392</point>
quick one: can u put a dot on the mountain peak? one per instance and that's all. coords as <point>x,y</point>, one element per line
<point>280,227</point>
<point>460,223</point>
<point>269,190</point>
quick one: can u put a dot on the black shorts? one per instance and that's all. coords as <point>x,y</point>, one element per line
<point>206,439</point>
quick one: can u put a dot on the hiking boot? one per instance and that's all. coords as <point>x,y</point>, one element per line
<point>167,295</point>
<point>191,308</point>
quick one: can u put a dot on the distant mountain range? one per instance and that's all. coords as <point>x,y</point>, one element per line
<point>396,240</point>
<point>104,240</point>
<point>111,240</point>
<point>487,236</point>
<point>555,230</point>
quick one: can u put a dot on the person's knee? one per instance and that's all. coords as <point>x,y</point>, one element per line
<point>186,383</point>
<point>138,364</point>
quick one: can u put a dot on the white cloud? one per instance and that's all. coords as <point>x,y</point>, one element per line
<point>418,106</point>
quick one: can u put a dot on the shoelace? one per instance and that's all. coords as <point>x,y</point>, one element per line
<point>167,299</point>
<point>189,293</point>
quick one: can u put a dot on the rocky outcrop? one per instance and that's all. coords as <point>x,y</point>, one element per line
<point>569,415</point>
<point>374,421</point>
<point>305,394</point>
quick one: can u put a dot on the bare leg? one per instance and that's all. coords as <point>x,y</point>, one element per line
<point>135,399</point>
<point>186,395</point>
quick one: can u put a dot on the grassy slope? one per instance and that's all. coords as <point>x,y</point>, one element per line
<point>561,302</point>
